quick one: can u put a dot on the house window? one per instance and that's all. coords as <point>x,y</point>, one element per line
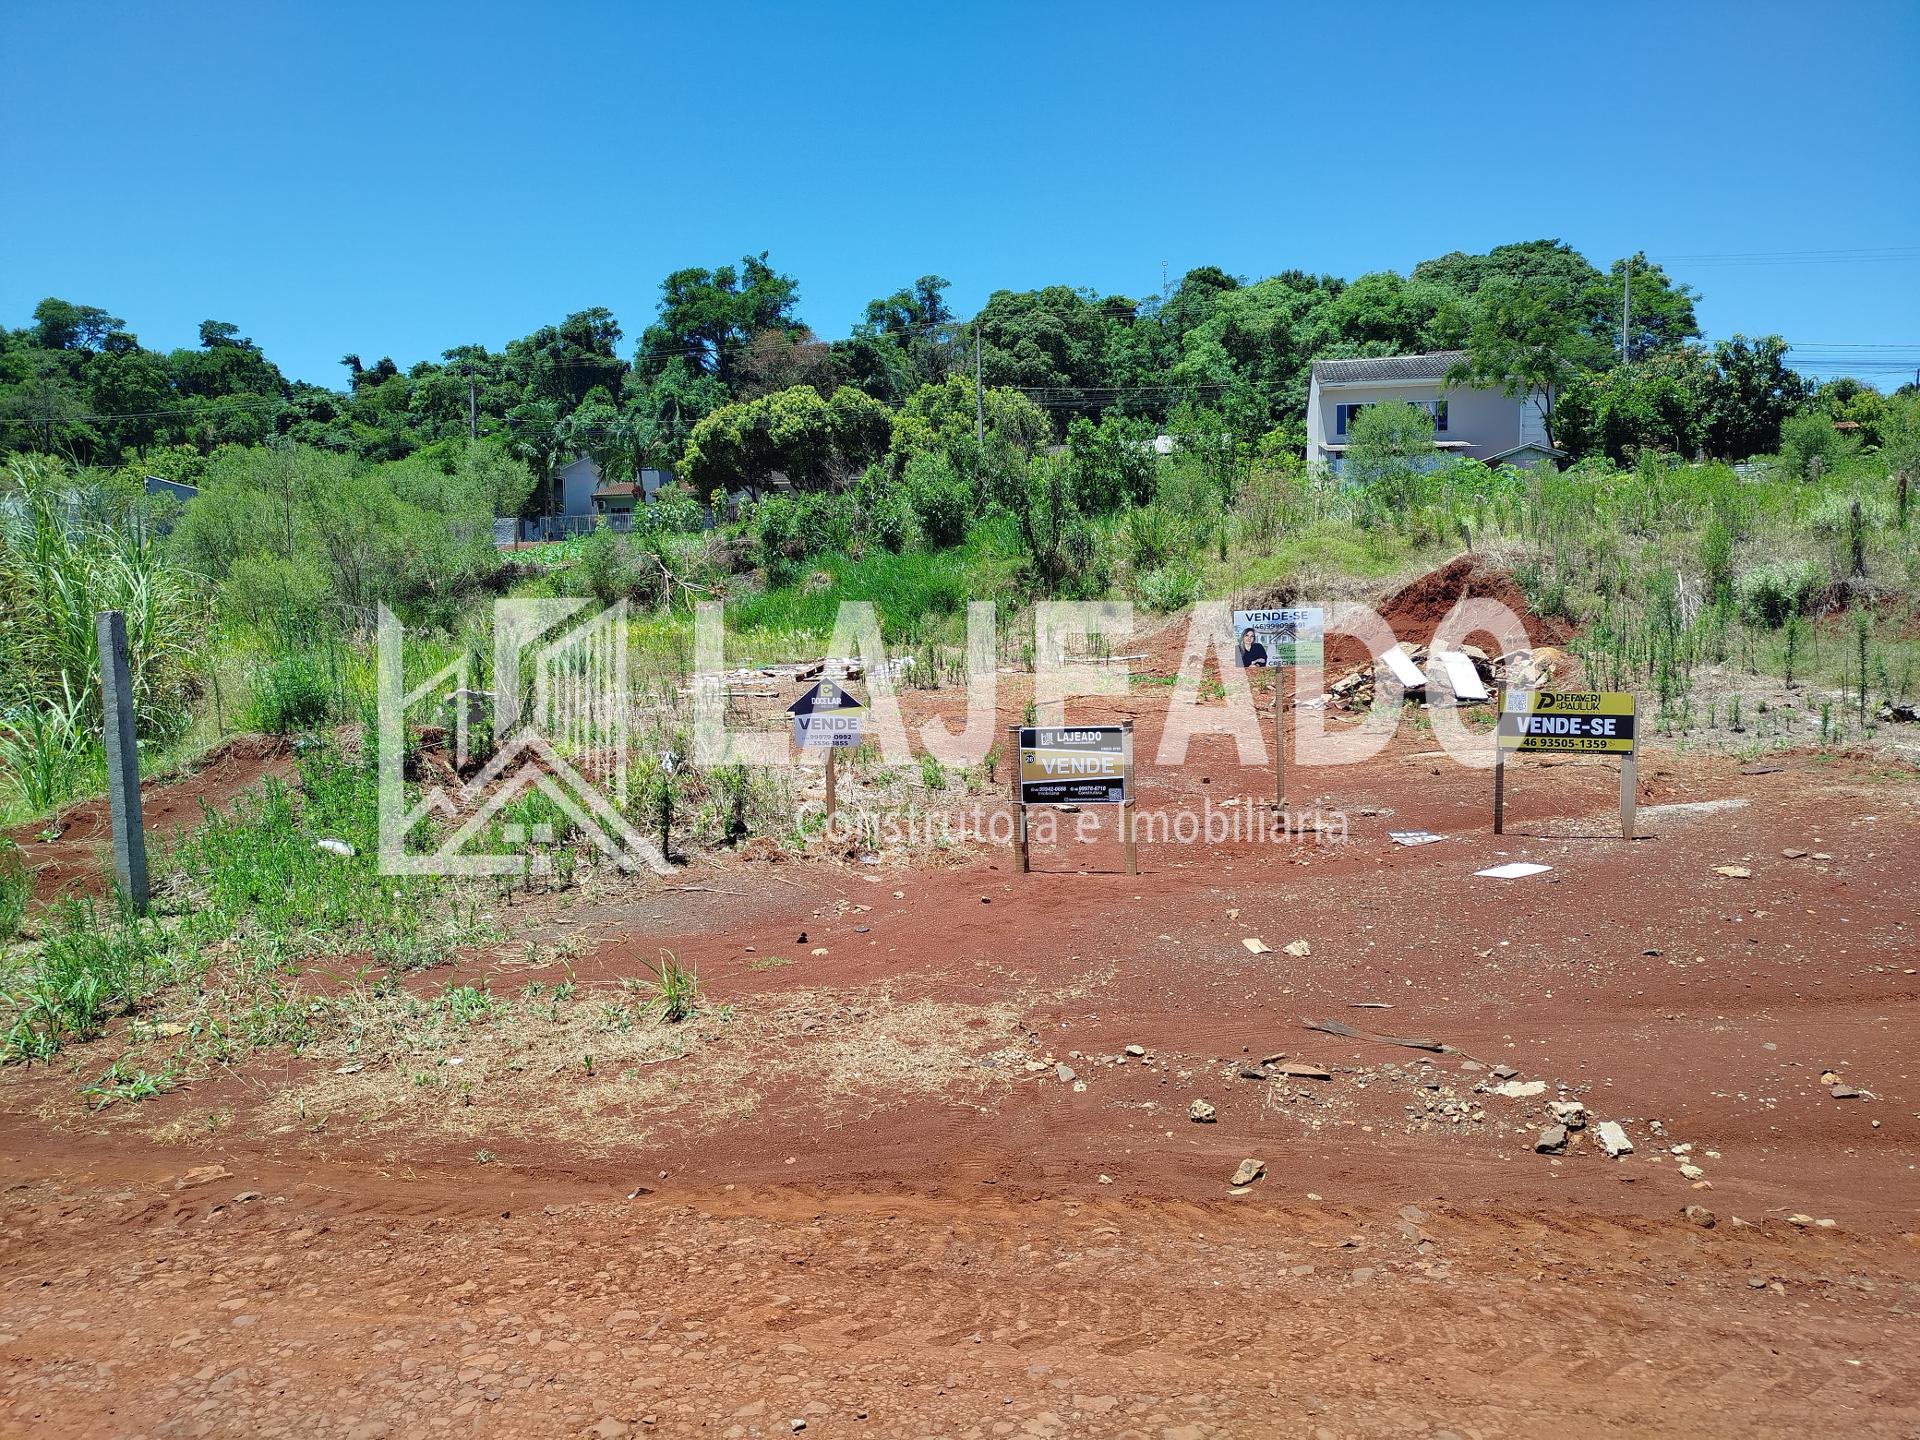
<point>1343,417</point>
<point>1439,409</point>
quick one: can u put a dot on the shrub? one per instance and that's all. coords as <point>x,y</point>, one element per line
<point>1716,558</point>
<point>942,501</point>
<point>1771,594</point>
<point>606,566</point>
<point>1809,437</point>
<point>886,515</point>
<point>293,693</point>
<point>1149,537</point>
<point>1171,587</point>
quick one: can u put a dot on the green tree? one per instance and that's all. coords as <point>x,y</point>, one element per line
<point>1660,316</point>
<point>1388,446</point>
<point>62,325</point>
<point>1751,394</point>
<point>1524,341</point>
<point>707,315</point>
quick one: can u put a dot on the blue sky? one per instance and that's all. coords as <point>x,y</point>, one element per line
<point>399,178</point>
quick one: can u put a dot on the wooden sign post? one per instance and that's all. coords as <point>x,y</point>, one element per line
<point>1073,765</point>
<point>1279,746</point>
<point>1278,640</point>
<point>1567,722</point>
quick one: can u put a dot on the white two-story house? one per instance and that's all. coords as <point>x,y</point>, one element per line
<point>1481,424</point>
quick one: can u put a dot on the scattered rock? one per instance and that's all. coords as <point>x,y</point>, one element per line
<point>1250,1170</point>
<point>1299,949</point>
<point>1794,854</point>
<point>1613,1139</point>
<point>1570,1113</point>
<point>1200,1112</point>
<point>1063,1073</point>
<point>1846,1092</point>
<point>202,1175</point>
<point>1136,1051</point>
<point>1521,1089</point>
<point>1699,1215</point>
<point>1504,1072</point>
<point>1551,1140</point>
<point>1691,1172</point>
<point>1295,1070</point>
<point>1257,947</point>
<point>1733,872</point>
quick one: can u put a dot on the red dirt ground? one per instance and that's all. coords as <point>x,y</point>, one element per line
<point>1007,1254</point>
<point>79,860</point>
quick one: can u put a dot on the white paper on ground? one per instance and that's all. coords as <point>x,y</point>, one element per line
<point>1404,670</point>
<point>1514,870</point>
<point>1413,837</point>
<point>1463,677</point>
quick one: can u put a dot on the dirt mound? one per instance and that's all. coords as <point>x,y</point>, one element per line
<point>75,861</point>
<point>1415,611</point>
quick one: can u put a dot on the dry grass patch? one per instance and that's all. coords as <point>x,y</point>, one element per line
<point>601,1070</point>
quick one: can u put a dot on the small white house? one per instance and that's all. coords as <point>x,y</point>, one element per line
<point>578,500</point>
<point>1480,424</point>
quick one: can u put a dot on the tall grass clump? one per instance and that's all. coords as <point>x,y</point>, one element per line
<point>16,889</point>
<point>84,974</point>
<point>68,550</point>
<point>67,553</point>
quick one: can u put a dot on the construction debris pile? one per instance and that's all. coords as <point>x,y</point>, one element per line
<point>1412,672</point>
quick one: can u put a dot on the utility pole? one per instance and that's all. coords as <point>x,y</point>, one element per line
<point>979,395</point>
<point>473,406</point>
<point>1626,305</point>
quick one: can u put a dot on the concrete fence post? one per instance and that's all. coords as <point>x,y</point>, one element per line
<point>123,759</point>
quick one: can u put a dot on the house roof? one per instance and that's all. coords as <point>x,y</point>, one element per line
<point>1528,447</point>
<point>617,490</point>
<point>1387,367</point>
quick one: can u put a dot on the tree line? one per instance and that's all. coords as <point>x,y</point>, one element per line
<point>727,386</point>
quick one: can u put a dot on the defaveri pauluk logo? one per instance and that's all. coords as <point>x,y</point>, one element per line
<point>557,721</point>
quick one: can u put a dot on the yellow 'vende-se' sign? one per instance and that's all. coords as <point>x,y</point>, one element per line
<point>1583,721</point>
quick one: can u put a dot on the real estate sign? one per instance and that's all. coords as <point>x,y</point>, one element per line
<point>1075,765</point>
<point>1274,638</point>
<point>1558,721</point>
<point>826,718</point>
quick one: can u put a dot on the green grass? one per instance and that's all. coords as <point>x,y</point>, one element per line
<point>914,593</point>
<point>86,972</point>
<point>16,889</point>
<point>674,990</point>
<point>247,888</point>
